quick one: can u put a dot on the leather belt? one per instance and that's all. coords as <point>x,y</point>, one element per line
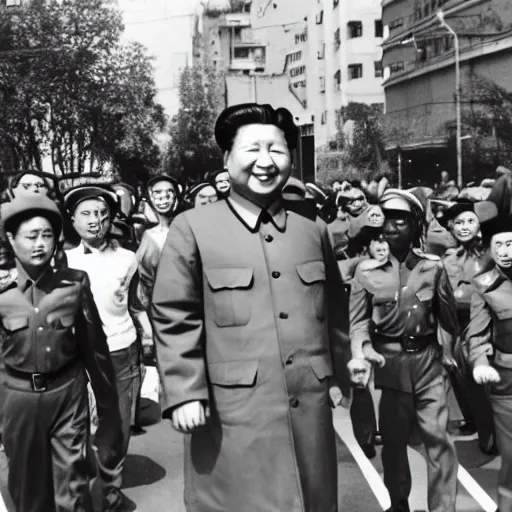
<point>41,382</point>
<point>410,344</point>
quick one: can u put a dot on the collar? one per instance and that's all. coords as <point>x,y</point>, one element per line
<point>410,261</point>
<point>107,244</point>
<point>250,214</point>
<point>24,280</point>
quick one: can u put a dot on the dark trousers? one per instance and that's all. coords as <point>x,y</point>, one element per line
<point>126,364</point>
<point>45,438</point>
<point>399,413</point>
<point>362,414</point>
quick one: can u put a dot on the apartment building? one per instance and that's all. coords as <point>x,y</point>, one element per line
<point>420,88</point>
<point>344,61</point>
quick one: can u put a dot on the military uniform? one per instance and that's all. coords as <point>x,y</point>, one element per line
<point>398,308</point>
<point>490,343</point>
<point>52,335</point>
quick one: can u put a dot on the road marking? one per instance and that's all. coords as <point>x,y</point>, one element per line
<point>344,429</point>
<point>473,488</point>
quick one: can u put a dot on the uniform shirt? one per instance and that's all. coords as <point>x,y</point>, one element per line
<point>110,271</point>
<point>399,300</point>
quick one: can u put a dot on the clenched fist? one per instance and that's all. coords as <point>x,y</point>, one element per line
<point>190,416</point>
<point>484,374</point>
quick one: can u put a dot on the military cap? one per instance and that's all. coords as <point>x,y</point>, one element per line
<point>178,187</point>
<point>396,199</point>
<point>492,221</point>
<point>25,207</point>
<point>484,210</point>
<point>76,196</point>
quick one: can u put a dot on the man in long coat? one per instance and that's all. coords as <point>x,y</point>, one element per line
<point>248,316</point>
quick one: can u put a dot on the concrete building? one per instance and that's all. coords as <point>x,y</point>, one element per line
<point>344,60</point>
<point>420,87</point>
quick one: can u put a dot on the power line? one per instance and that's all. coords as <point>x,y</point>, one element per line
<point>156,20</point>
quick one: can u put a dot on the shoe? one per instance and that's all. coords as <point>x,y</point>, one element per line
<point>377,438</point>
<point>136,430</point>
<point>466,428</point>
<point>489,446</point>
<point>116,501</point>
<point>369,450</point>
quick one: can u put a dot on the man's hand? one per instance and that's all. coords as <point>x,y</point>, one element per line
<point>190,416</point>
<point>484,374</point>
<point>371,355</point>
<point>360,371</point>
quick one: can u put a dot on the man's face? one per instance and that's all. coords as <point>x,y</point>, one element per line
<point>259,163</point>
<point>465,227</point>
<point>31,184</point>
<point>501,249</point>
<point>91,220</point>
<point>398,230</point>
<point>222,182</point>
<point>205,196</point>
<point>34,242</point>
<point>353,201</point>
<point>163,196</point>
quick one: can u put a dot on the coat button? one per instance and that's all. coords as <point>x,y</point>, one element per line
<point>283,316</point>
<point>268,238</point>
<point>294,403</point>
<point>36,310</point>
<point>40,329</point>
<point>276,275</point>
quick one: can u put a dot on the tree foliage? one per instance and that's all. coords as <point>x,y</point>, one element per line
<point>72,93</point>
<point>192,151</point>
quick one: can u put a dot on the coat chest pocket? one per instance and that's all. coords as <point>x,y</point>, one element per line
<point>425,295</point>
<point>229,297</point>
<point>312,274</point>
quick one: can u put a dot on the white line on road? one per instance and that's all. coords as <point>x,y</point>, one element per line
<point>344,429</point>
<point>473,488</point>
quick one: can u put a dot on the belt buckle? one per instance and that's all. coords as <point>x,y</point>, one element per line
<point>39,382</point>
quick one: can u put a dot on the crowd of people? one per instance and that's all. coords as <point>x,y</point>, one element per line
<point>265,302</point>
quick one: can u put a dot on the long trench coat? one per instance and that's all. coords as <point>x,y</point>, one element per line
<point>254,321</point>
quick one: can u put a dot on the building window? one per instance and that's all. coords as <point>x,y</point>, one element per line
<point>12,3</point>
<point>297,71</point>
<point>355,71</point>
<point>300,83</point>
<point>337,39</point>
<point>241,53</point>
<point>294,57</point>
<point>379,72</point>
<point>322,84</point>
<point>321,52</point>
<point>323,119</point>
<point>301,38</point>
<point>337,80</point>
<point>355,29</point>
<point>396,67</point>
<point>335,3</point>
<point>320,17</point>
<point>399,22</point>
<point>379,29</point>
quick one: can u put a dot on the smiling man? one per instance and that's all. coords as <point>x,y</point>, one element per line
<point>248,311</point>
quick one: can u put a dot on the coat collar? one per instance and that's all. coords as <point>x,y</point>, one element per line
<point>252,215</point>
<point>24,280</point>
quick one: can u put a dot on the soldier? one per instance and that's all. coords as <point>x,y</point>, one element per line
<point>490,342</point>
<point>397,307</point>
<point>247,315</point>
<point>51,334</point>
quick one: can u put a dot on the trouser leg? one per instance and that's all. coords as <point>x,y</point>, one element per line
<point>460,391</point>
<point>69,443</point>
<point>502,409</point>
<point>396,418</point>
<point>362,414</point>
<point>27,446</point>
<point>432,414</point>
<point>127,370</point>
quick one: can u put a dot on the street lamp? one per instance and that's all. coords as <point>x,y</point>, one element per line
<point>440,16</point>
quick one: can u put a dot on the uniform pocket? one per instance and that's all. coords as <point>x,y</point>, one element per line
<point>233,373</point>
<point>425,295</point>
<point>230,300</point>
<point>312,274</point>
<point>321,365</point>
<point>15,323</point>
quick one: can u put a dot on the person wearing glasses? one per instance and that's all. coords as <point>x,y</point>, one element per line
<point>29,182</point>
<point>403,321</point>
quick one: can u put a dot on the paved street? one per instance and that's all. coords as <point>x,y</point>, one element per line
<point>153,477</point>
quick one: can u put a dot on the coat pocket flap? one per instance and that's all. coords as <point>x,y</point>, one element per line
<point>322,365</point>
<point>425,294</point>
<point>229,278</point>
<point>13,323</point>
<point>233,373</point>
<point>60,320</point>
<point>312,271</point>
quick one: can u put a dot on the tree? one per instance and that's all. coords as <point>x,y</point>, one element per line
<point>192,151</point>
<point>72,93</point>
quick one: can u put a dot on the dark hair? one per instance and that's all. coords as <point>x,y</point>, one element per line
<point>233,118</point>
<point>13,224</point>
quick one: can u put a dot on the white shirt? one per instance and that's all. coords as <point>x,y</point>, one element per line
<point>110,271</point>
